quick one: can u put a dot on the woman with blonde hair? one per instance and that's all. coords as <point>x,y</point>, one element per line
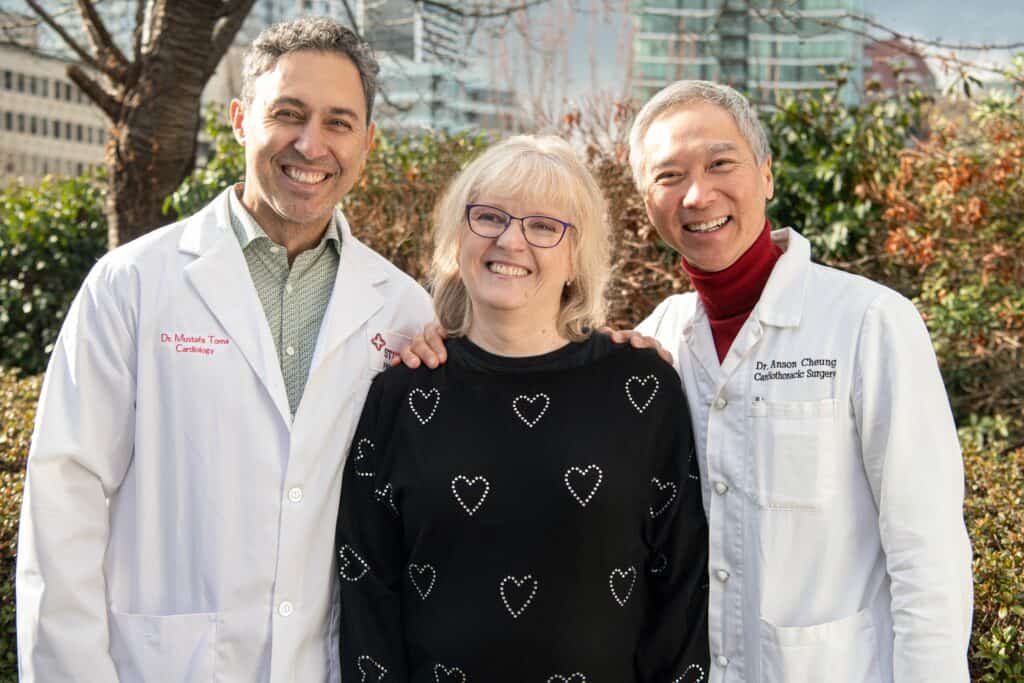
<point>531,510</point>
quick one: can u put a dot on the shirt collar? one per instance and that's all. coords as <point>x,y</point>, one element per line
<point>246,228</point>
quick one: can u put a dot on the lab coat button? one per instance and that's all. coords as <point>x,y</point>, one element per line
<point>722,575</point>
<point>721,488</point>
<point>721,403</point>
<point>274,249</point>
<point>295,494</point>
<point>285,609</point>
<point>290,350</point>
<point>288,289</point>
<point>722,661</point>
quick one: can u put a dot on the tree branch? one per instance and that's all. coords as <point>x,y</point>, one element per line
<point>86,58</point>
<point>232,15</point>
<point>482,13</point>
<point>109,103</point>
<point>110,56</point>
<point>140,18</point>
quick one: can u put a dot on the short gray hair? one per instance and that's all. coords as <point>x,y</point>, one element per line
<point>681,93</point>
<point>320,34</point>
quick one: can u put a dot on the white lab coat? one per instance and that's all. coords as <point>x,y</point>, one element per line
<point>178,525</point>
<point>832,480</point>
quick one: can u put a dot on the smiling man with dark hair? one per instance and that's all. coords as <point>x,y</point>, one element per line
<point>201,397</point>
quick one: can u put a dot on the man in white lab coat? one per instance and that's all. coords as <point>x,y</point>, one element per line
<point>185,470</point>
<point>832,475</point>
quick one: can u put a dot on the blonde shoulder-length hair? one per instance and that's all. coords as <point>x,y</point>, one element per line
<point>536,168</point>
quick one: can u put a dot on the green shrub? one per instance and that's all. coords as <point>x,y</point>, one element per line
<point>17,412</point>
<point>994,510</point>
<point>50,237</point>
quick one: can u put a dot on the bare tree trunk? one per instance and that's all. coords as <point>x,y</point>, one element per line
<point>152,99</point>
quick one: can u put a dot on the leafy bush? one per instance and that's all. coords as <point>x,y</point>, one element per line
<point>828,160</point>
<point>955,218</point>
<point>17,412</point>
<point>994,510</point>
<point>50,237</point>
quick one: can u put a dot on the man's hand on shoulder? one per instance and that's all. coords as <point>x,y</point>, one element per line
<point>638,341</point>
<point>427,348</point>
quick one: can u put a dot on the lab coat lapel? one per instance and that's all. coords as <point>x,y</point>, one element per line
<point>354,298</point>
<point>221,278</point>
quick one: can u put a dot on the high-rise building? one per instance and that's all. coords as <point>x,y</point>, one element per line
<point>764,48</point>
<point>429,79</point>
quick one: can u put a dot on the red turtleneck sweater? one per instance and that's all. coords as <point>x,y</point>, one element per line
<point>730,295</point>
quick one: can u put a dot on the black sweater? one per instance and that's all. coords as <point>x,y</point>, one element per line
<point>524,519</point>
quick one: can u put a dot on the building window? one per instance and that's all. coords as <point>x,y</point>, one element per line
<point>56,89</point>
<point>32,85</point>
<point>46,87</point>
<point>21,82</point>
<point>33,126</point>
<point>8,120</point>
<point>79,169</point>
<point>67,131</point>
<point>78,133</point>
<point>8,79</point>
<point>56,129</point>
<point>103,136</point>
<point>88,131</point>
<point>21,123</point>
<point>46,127</point>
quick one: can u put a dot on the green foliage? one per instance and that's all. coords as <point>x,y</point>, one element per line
<point>225,165</point>
<point>17,412</point>
<point>50,237</point>
<point>994,511</point>
<point>827,158</point>
<point>955,220</point>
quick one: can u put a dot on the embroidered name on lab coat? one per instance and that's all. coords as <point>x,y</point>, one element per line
<point>802,369</point>
<point>203,344</point>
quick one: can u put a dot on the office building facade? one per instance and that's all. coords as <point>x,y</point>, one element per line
<point>765,48</point>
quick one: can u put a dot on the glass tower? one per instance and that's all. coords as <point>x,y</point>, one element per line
<point>764,48</point>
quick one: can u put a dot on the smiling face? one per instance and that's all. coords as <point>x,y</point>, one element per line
<point>507,278</point>
<point>306,138</point>
<point>706,193</point>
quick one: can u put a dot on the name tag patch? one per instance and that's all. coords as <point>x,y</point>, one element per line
<point>801,369</point>
<point>200,344</point>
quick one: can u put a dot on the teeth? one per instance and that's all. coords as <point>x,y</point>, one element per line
<point>710,226</point>
<point>505,269</point>
<point>303,176</point>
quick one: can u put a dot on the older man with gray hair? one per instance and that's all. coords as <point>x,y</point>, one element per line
<point>831,472</point>
<point>185,470</point>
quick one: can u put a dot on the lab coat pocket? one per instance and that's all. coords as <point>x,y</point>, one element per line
<point>793,443</point>
<point>176,647</point>
<point>844,651</point>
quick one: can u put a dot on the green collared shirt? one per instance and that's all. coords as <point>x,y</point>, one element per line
<point>294,298</point>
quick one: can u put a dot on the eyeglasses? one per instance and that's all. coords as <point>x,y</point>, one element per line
<point>490,222</point>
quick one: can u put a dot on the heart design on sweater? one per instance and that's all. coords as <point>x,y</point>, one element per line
<point>530,409</point>
<point>621,582</point>
<point>422,577</point>
<point>664,494</point>
<point>363,460</point>
<point>691,674</point>
<point>571,678</point>
<point>368,666</point>
<point>448,674</point>
<point>350,565</point>
<point>583,483</point>
<point>517,593</point>
<point>641,391</point>
<point>470,493</point>
<point>424,403</point>
<point>386,495</point>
